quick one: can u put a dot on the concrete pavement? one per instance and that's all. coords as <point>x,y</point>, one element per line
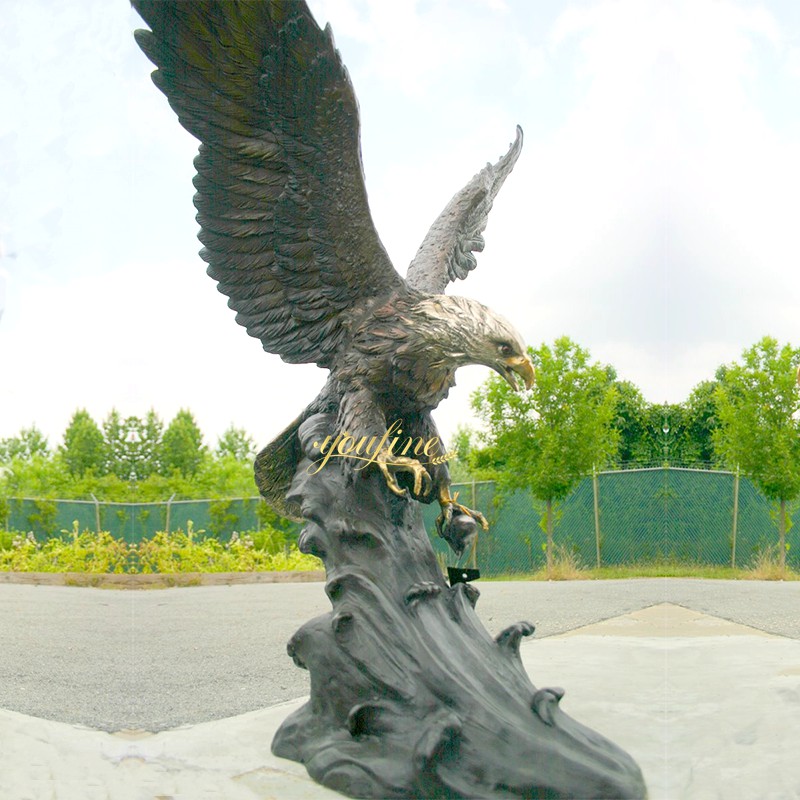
<point>709,708</point>
<point>156,660</point>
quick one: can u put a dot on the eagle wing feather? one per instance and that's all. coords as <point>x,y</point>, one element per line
<point>446,253</point>
<point>281,199</point>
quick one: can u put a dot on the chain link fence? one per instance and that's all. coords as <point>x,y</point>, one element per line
<point>134,521</point>
<point>633,516</point>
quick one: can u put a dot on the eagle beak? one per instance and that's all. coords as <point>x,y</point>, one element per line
<point>515,366</point>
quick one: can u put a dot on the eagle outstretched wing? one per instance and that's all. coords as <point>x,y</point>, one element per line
<point>281,200</point>
<point>446,253</point>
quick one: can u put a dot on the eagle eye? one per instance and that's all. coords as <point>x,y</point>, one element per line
<point>505,349</point>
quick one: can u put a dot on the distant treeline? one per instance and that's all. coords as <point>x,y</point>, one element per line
<point>125,459</point>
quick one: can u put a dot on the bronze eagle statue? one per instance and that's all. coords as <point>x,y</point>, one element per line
<point>287,233</point>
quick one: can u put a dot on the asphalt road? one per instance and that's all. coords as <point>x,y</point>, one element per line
<point>159,659</point>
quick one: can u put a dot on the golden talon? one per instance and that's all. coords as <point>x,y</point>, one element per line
<point>476,515</point>
<point>385,459</point>
<point>394,485</point>
<point>449,506</point>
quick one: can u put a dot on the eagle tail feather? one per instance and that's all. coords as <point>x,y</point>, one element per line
<point>275,466</point>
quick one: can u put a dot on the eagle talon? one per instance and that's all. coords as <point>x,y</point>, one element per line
<point>458,524</point>
<point>422,480</point>
<point>444,519</point>
<point>449,505</point>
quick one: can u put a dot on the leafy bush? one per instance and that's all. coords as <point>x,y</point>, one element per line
<point>269,540</point>
<point>259,551</point>
<point>83,552</point>
<point>186,552</point>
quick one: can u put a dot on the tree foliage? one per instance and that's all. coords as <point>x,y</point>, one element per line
<point>117,459</point>
<point>182,447</point>
<point>665,440</point>
<point>461,447</point>
<point>125,460</point>
<point>236,443</point>
<point>147,446</point>
<point>757,405</point>
<point>631,422</point>
<point>665,433</point>
<point>84,448</point>
<point>649,434</point>
<point>549,437</point>
<point>29,444</point>
<point>702,422</point>
<point>546,439</point>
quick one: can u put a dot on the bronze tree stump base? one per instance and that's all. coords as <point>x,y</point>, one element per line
<point>410,696</point>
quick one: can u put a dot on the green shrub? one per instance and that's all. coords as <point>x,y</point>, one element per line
<point>177,551</point>
<point>268,540</point>
<point>186,552</point>
<point>82,552</point>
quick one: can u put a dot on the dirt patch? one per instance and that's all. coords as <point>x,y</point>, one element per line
<point>158,581</point>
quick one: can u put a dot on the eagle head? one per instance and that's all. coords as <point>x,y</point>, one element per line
<point>463,331</point>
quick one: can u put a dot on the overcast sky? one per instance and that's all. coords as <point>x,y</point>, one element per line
<point>653,216</point>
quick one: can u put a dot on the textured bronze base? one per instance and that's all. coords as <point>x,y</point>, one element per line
<point>410,696</point>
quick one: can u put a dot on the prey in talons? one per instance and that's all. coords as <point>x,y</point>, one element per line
<point>457,524</point>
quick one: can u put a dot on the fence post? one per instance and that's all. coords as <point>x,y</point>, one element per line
<point>735,516</point>
<point>596,492</point>
<point>169,506</point>
<point>96,513</point>
<point>474,550</point>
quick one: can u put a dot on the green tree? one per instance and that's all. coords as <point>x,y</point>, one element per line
<point>758,431</point>
<point>665,433</point>
<point>235,442</point>
<point>666,436</point>
<point>30,442</point>
<point>145,445</point>
<point>546,439</point>
<point>631,421</point>
<point>182,448</point>
<point>225,477</point>
<point>701,421</point>
<point>116,450</point>
<point>39,476</point>
<point>83,449</point>
<point>461,446</point>
<point>133,445</point>
<point>130,446</point>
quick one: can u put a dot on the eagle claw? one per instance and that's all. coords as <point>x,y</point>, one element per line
<point>422,479</point>
<point>457,524</point>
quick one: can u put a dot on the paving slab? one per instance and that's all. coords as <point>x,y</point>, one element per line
<point>228,759</point>
<point>708,707</point>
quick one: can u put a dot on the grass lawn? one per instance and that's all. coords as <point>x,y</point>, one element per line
<point>570,573</point>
